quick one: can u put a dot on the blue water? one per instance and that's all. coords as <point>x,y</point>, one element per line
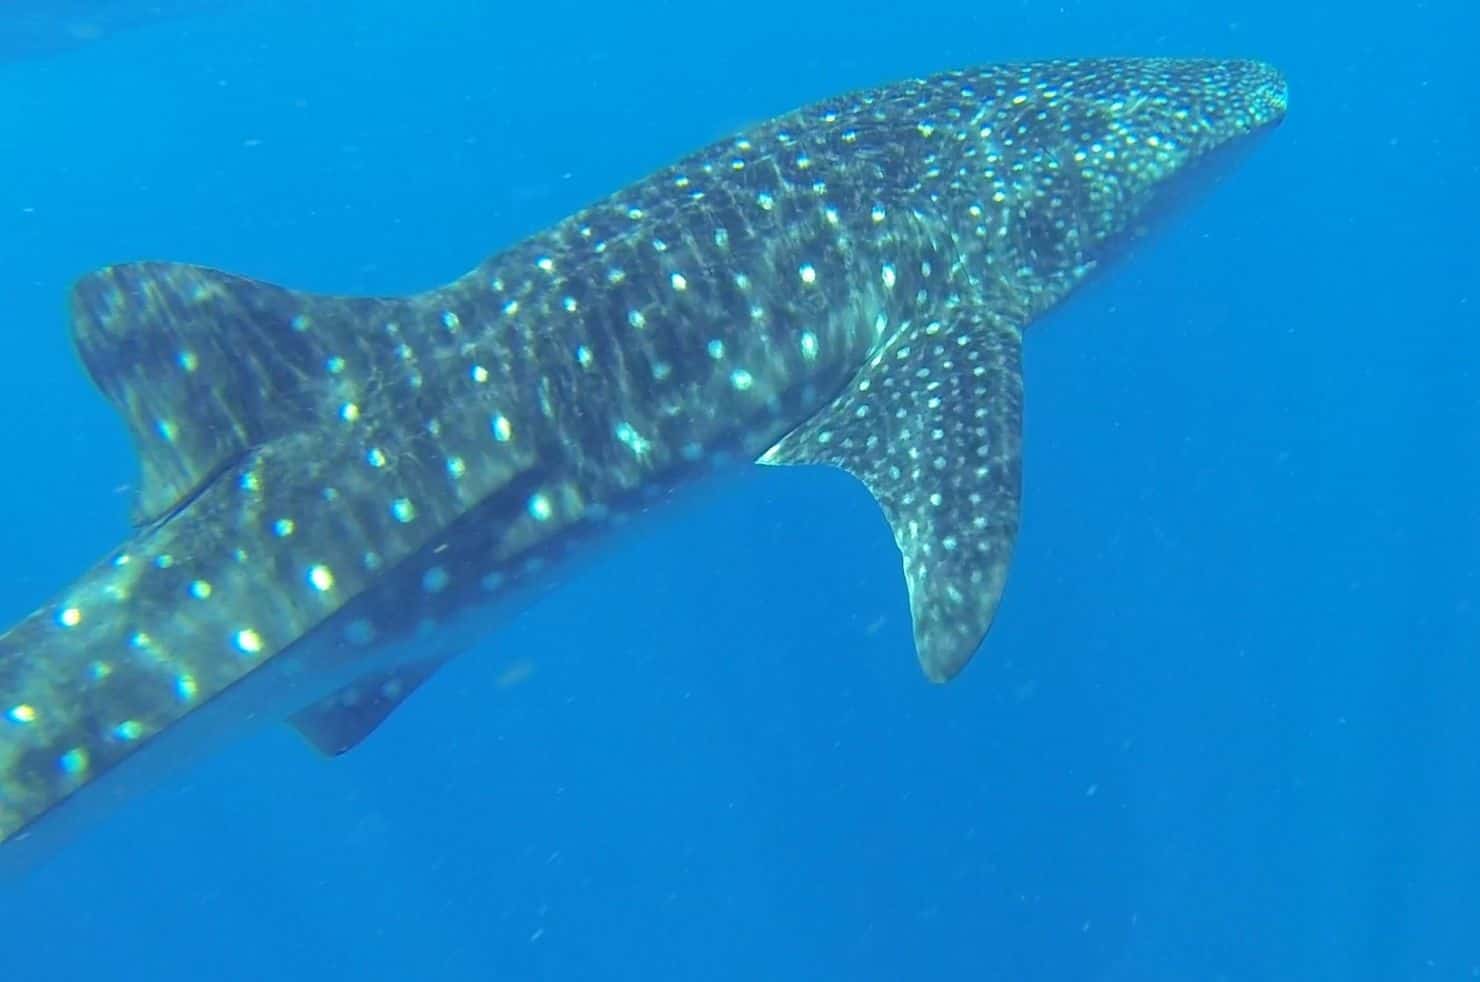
<point>1225,727</point>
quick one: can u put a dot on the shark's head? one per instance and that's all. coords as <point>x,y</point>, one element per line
<point>1087,155</point>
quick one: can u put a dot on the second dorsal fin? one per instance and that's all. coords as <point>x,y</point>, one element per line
<point>203,365</point>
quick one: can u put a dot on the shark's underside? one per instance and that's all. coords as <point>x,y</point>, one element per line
<point>335,491</point>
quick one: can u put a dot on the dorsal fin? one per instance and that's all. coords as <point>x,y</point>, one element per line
<point>932,426</point>
<point>203,365</point>
<point>337,724</point>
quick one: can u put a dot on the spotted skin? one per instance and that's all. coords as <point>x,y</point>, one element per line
<point>328,484</point>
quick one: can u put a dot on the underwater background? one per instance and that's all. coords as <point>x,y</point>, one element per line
<point>1226,726</point>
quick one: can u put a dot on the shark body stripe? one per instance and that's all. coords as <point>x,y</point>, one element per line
<point>328,483</point>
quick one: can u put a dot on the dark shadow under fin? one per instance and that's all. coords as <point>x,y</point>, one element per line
<point>932,426</point>
<point>337,724</point>
<point>203,365</point>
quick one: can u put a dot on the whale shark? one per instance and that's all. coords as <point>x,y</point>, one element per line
<point>337,494</point>
<point>41,28</point>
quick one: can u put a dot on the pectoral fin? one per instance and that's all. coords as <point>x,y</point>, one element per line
<point>932,426</point>
<point>337,724</point>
